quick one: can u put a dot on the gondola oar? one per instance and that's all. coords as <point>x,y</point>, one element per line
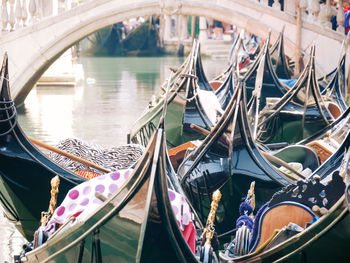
<point>68,155</point>
<point>282,163</point>
<point>199,129</point>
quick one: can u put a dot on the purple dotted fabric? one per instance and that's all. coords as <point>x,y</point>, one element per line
<point>81,199</point>
<point>181,209</point>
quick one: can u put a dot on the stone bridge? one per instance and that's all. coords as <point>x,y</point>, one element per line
<point>34,44</point>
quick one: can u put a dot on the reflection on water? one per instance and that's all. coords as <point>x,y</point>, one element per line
<point>101,110</point>
<point>11,240</point>
<point>115,92</point>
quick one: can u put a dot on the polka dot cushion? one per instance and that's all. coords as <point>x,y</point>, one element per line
<point>181,209</point>
<point>80,201</point>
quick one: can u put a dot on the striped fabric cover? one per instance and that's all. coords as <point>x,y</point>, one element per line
<point>114,158</point>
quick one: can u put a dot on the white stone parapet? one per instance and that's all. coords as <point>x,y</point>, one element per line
<point>16,14</point>
<point>47,27</point>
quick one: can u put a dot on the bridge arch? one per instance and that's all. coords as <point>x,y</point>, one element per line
<point>47,40</point>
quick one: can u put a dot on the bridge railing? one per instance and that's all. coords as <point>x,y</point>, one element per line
<point>324,15</point>
<point>20,13</point>
<point>312,11</point>
<point>17,14</point>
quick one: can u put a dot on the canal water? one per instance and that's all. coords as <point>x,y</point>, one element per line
<point>100,110</point>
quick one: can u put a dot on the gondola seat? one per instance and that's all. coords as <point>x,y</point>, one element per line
<point>300,204</point>
<point>277,217</point>
<point>178,153</point>
<point>268,222</point>
<point>323,150</point>
<point>334,109</point>
<point>291,210</point>
<point>216,84</point>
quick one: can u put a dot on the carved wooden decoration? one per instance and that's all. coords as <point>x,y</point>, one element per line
<point>312,192</point>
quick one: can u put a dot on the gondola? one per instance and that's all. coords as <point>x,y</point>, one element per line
<point>217,83</point>
<point>226,90</point>
<point>243,52</point>
<point>331,142</point>
<point>135,224</point>
<point>276,76</point>
<point>23,166</point>
<point>240,59</point>
<point>114,40</point>
<point>156,237</point>
<point>335,89</point>
<point>128,227</point>
<point>274,64</point>
<point>318,234</point>
<point>24,169</point>
<point>206,168</point>
<point>189,88</point>
<point>239,63</point>
<point>265,73</point>
<point>300,113</point>
<point>262,79</point>
<point>331,84</point>
<point>199,185</point>
<point>229,162</point>
<point>271,86</point>
<point>279,59</point>
<point>324,81</point>
<point>113,233</point>
<point>266,84</point>
<point>238,45</point>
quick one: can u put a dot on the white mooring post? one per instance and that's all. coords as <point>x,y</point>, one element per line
<point>184,27</point>
<point>167,27</point>
<point>203,36</point>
